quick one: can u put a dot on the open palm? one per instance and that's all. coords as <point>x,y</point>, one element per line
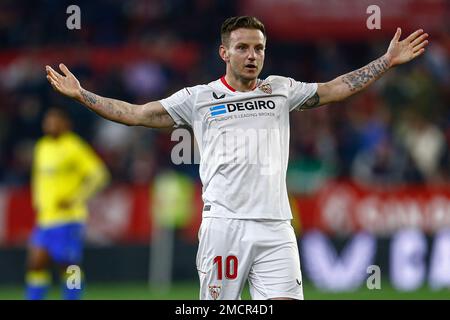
<point>410,48</point>
<point>67,84</point>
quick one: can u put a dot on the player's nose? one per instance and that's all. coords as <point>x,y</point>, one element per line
<point>252,55</point>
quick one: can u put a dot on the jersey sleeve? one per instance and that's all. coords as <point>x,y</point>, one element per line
<point>88,161</point>
<point>90,166</point>
<point>36,199</point>
<point>299,93</point>
<point>180,106</point>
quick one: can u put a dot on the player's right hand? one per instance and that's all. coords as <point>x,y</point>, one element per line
<point>67,85</point>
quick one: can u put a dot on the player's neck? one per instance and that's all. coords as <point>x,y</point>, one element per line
<point>239,84</point>
<point>56,135</point>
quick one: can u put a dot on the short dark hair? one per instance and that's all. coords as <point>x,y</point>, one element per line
<point>234,23</point>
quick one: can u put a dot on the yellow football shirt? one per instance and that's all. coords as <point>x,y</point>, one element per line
<point>65,170</point>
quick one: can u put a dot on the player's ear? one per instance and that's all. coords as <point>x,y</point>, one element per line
<point>223,52</point>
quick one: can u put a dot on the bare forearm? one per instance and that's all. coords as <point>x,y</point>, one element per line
<point>111,109</point>
<point>358,80</point>
<point>363,77</point>
<point>151,114</point>
<point>348,84</point>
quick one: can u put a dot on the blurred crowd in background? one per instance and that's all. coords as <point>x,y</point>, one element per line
<point>396,132</point>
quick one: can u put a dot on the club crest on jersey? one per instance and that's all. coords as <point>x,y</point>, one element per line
<point>266,88</point>
<point>214,291</point>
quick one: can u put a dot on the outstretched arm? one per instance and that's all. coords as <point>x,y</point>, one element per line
<point>342,87</point>
<point>152,114</point>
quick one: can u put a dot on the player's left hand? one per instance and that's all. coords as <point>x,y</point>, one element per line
<point>410,48</point>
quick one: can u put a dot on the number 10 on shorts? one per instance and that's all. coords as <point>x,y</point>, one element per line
<point>231,267</point>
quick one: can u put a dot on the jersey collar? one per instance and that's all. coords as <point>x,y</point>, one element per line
<point>226,84</point>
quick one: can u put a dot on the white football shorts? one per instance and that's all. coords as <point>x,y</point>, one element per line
<point>264,252</point>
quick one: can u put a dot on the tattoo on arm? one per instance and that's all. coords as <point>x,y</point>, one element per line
<point>124,112</point>
<point>357,80</point>
<point>155,117</point>
<point>311,102</point>
<point>109,108</point>
<point>88,97</point>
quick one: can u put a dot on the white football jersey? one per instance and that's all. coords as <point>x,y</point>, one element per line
<point>243,140</point>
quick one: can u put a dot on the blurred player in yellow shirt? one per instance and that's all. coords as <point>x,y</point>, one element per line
<point>66,173</point>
